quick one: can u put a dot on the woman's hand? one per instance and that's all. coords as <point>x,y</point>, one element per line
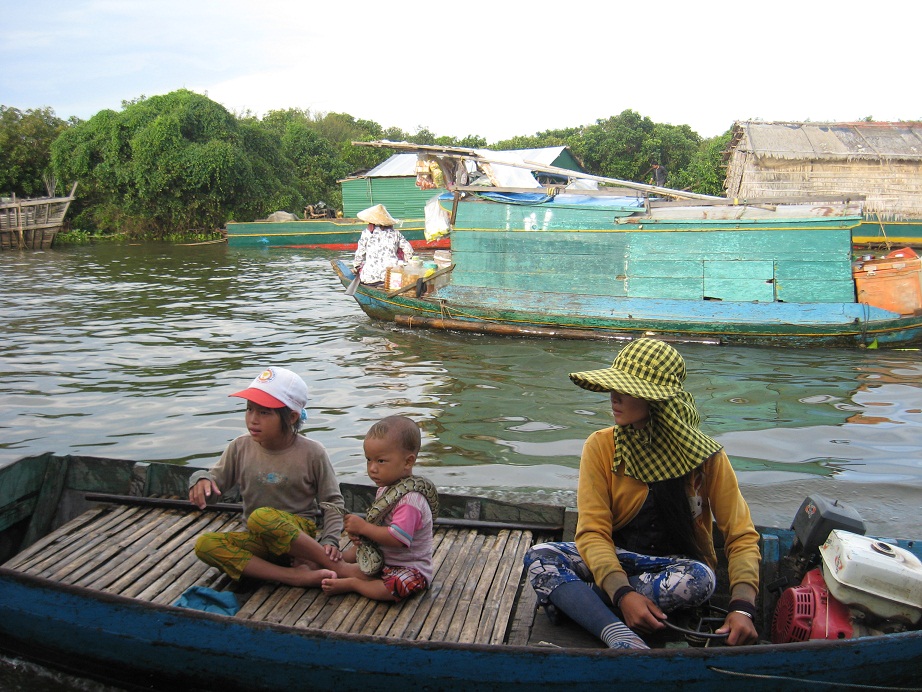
<point>741,629</point>
<point>201,491</point>
<point>640,613</point>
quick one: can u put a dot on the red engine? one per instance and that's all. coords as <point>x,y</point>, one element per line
<point>808,612</point>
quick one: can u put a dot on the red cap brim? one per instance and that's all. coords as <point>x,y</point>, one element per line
<point>259,397</point>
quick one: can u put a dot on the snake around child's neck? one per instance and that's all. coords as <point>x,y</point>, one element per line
<point>368,554</point>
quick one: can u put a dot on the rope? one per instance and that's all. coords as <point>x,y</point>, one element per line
<point>811,683</point>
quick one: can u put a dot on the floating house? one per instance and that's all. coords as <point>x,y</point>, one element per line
<point>404,183</point>
<point>398,183</point>
<point>880,162</point>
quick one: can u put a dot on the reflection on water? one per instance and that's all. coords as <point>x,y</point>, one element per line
<point>130,351</point>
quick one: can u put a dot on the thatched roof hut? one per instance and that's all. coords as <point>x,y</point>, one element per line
<point>880,161</point>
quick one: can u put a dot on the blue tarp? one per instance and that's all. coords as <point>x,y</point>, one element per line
<point>571,201</point>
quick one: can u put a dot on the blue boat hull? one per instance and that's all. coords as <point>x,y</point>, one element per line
<point>161,645</point>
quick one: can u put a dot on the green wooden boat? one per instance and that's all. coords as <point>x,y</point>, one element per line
<point>318,234</point>
<point>598,266</point>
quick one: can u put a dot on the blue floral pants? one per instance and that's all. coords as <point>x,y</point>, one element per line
<point>671,582</point>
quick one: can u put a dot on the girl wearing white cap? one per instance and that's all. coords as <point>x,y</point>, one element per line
<point>650,489</point>
<point>380,245</point>
<point>281,476</point>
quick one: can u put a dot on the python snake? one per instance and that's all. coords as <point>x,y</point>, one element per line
<point>368,554</point>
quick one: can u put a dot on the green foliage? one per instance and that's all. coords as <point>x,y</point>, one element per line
<point>172,162</point>
<point>25,141</point>
<point>180,165</point>
<point>706,170</point>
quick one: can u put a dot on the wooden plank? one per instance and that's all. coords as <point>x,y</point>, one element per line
<point>327,619</point>
<point>468,632</point>
<point>99,548</point>
<point>308,596</point>
<point>312,611</point>
<point>523,617</point>
<point>290,596</point>
<point>276,599</point>
<point>512,584</point>
<point>357,618</point>
<point>153,573</point>
<point>147,554</point>
<point>187,571</point>
<point>249,609</point>
<point>347,612</point>
<point>471,573</point>
<point>121,551</point>
<point>442,599</point>
<point>58,547</point>
<point>39,551</point>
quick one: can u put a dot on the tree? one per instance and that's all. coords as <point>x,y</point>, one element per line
<point>706,170</point>
<point>310,156</point>
<point>25,144</point>
<point>166,164</point>
<point>614,148</point>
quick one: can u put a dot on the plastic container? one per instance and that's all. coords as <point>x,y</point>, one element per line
<point>429,268</point>
<point>873,575</point>
<point>442,258</point>
<point>393,278</point>
<point>893,283</point>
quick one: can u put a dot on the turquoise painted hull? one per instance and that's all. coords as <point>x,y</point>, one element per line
<point>163,647</point>
<point>317,234</point>
<point>754,275</point>
<point>524,313</point>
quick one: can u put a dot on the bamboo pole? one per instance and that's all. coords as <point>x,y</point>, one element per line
<point>477,156</point>
<point>481,327</point>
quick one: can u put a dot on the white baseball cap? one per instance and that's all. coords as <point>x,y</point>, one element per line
<point>276,387</point>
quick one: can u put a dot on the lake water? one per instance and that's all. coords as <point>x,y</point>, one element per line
<point>130,352</point>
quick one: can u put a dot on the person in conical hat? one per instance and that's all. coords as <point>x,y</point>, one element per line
<point>380,246</point>
<point>377,216</point>
<point>650,489</point>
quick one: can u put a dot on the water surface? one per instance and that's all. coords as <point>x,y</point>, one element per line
<point>130,352</point>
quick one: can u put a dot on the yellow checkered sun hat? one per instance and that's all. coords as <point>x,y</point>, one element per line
<point>646,369</point>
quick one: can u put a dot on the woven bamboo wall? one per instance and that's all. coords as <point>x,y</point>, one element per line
<point>791,160</point>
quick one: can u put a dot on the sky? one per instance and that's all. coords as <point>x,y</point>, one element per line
<point>494,70</point>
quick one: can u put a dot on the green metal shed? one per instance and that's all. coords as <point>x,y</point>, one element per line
<point>393,182</point>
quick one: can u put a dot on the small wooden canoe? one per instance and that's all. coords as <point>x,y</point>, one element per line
<point>94,553</point>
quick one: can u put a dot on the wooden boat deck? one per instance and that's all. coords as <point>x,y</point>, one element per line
<point>145,553</point>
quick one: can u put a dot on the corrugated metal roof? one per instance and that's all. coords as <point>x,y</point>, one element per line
<point>819,141</point>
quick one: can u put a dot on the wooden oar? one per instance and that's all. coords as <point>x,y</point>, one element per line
<point>354,284</point>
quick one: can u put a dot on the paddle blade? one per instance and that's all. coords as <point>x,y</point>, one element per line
<point>350,291</point>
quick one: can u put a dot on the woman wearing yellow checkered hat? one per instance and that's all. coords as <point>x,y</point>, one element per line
<point>650,489</point>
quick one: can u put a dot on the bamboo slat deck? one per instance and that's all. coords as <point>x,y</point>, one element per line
<point>476,595</point>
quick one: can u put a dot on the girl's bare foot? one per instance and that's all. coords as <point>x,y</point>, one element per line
<point>312,577</point>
